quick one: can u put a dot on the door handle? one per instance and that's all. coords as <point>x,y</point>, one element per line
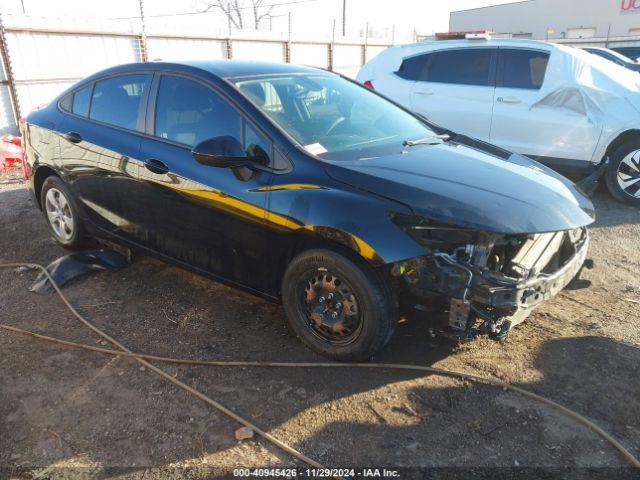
<point>155,166</point>
<point>508,100</point>
<point>425,92</point>
<point>73,137</point>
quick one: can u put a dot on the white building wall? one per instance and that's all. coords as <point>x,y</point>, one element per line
<point>564,17</point>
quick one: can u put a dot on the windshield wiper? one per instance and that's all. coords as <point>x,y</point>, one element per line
<point>434,140</point>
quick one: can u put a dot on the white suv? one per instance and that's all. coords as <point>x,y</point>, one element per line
<point>559,105</point>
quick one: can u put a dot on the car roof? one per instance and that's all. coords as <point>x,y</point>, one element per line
<point>495,42</point>
<point>219,68</point>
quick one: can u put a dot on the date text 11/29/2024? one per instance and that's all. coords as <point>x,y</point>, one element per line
<point>317,472</point>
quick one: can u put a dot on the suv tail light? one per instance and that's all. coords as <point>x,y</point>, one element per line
<point>368,84</point>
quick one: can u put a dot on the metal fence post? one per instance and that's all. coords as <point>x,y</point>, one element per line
<point>287,45</point>
<point>330,47</point>
<point>8,69</point>
<point>142,39</point>
<point>287,52</point>
<point>364,45</point>
<point>228,48</point>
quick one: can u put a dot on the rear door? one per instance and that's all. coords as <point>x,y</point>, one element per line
<point>100,144</point>
<point>455,89</point>
<point>521,126</point>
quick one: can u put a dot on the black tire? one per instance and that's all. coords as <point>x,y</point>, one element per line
<point>619,169</point>
<point>70,238</point>
<point>375,303</point>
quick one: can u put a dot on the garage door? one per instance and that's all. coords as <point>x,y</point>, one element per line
<point>581,32</point>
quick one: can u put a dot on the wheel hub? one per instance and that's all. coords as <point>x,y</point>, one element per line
<point>331,306</point>
<point>59,214</point>
<point>629,174</point>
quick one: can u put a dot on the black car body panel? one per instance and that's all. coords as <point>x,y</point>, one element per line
<point>242,225</point>
<point>457,184</point>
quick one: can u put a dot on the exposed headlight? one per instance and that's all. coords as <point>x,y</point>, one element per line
<point>435,235</point>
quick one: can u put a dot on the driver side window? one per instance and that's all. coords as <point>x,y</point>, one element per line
<point>189,112</point>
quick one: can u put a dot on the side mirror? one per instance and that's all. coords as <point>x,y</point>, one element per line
<point>224,152</point>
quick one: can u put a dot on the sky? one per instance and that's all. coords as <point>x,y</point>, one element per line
<point>310,18</point>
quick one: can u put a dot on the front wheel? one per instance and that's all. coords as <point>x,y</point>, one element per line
<point>340,308</point>
<point>623,174</point>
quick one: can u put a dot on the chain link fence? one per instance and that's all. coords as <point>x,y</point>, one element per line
<point>40,62</point>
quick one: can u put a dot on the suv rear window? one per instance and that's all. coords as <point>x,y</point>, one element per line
<point>116,100</point>
<point>469,66</point>
<point>412,68</point>
<point>523,68</point>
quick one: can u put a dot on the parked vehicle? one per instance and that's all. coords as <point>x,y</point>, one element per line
<point>298,185</point>
<point>615,57</point>
<point>562,106</point>
<point>10,151</point>
<point>630,52</point>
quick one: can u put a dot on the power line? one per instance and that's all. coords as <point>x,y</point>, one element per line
<point>213,10</point>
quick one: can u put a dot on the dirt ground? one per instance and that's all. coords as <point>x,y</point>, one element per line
<point>68,413</point>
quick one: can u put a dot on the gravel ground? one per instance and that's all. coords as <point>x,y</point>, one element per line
<point>69,413</point>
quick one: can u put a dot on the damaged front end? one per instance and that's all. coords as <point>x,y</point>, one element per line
<point>492,281</point>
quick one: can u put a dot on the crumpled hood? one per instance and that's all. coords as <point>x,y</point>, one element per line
<point>469,187</point>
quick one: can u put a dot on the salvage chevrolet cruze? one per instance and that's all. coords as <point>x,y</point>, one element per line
<point>303,187</point>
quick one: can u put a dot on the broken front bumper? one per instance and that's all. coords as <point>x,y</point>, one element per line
<point>532,292</point>
<point>486,301</point>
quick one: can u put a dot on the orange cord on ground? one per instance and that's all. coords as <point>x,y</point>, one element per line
<point>142,358</point>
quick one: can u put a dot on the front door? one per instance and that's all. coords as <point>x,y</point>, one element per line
<point>521,124</point>
<point>208,217</point>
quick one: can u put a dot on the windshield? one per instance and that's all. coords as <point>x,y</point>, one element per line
<point>620,56</point>
<point>327,114</point>
<point>606,53</point>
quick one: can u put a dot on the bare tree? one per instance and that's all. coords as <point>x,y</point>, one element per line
<point>234,11</point>
<point>260,11</point>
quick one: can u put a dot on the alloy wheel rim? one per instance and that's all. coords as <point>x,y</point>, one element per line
<point>331,308</point>
<point>629,174</point>
<point>59,214</point>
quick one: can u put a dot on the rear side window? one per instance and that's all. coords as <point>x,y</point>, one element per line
<point>189,112</point>
<point>412,68</point>
<point>469,66</point>
<point>116,100</point>
<point>81,101</point>
<point>523,68</point>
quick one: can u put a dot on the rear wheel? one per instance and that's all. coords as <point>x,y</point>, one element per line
<point>61,213</point>
<point>340,308</point>
<point>623,173</point>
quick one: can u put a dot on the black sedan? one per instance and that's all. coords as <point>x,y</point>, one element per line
<point>304,187</point>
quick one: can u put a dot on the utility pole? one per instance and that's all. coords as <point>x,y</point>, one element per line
<point>344,17</point>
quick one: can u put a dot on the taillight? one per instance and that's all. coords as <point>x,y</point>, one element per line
<point>368,84</point>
